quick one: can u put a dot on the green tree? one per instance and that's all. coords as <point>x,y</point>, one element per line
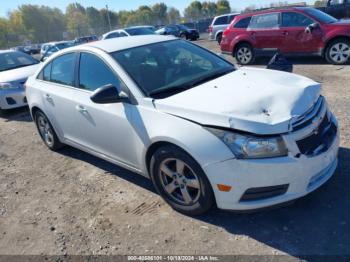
<point>223,7</point>
<point>209,9</point>
<point>173,16</point>
<point>160,13</point>
<point>320,3</point>
<point>95,20</point>
<point>194,11</point>
<point>3,33</point>
<point>77,23</point>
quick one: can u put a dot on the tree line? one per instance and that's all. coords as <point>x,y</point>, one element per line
<point>39,24</point>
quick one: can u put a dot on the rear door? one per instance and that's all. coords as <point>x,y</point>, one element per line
<point>296,39</point>
<point>57,84</point>
<point>265,32</point>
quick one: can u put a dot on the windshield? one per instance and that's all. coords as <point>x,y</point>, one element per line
<point>321,16</point>
<point>139,31</point>
<point>12,60</point>
<point>167,68</point>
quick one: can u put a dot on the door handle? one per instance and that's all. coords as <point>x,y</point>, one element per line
<point>81,109</point>
<point>285,33</point>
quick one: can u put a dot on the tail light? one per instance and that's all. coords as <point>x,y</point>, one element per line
<point>210,29</point>
<point>226,32</point>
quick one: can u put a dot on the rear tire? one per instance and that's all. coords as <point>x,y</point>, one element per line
<point>219,38</point>
<point>183,36</point>
<point>181,182</point>
<point>46,131</point>
<point>338,52</point>
<point>244,54</point>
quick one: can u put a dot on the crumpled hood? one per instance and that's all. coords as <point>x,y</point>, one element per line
<point>18,74</point>
<point>254,100</point>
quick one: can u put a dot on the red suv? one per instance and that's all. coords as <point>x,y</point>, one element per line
<point>292,31</point>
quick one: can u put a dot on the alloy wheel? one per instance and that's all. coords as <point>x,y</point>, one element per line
<point>45,130</point>
<point>179,181</point>
<point>340,53</point>
<point>244,55</point>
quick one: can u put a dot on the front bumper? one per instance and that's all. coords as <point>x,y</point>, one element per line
<point>12,98</point>
<point>298,175</point>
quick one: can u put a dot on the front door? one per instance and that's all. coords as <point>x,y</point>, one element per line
<point>107,128</point>
<point>296,38</point>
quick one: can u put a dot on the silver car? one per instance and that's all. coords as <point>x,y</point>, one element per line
<point>15,68</point>
<point>219,24</point>
<point>202,130</point>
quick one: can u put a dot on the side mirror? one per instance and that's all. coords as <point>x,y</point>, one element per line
<point>108,94</point>
<point>311,27</point>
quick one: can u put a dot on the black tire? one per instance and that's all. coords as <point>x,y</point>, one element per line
<point>183,36</point>
<point>333,47</point>
<point>203,196</point>
<point>242,52</point>
<point>50,138</point>
<point>219,38</point>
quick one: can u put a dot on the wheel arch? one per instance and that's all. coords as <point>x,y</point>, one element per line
<point>238,44</point>
<point>333,39</point>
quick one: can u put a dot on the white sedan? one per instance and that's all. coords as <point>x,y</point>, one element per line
<point>204,131</point>
<point>15,68</point>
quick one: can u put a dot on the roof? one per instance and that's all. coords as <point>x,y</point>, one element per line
<point>271,10</point>
<point>227,14</point>
<point>121,43</point>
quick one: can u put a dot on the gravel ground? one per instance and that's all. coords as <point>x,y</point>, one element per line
<point>73,203</point>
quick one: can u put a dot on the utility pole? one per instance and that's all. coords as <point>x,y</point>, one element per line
<point>109,19</point>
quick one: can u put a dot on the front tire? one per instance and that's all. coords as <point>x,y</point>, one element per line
<point>244,54</point>
<point>338,52</point>
<point>46,131</point>
<point>180,181</point>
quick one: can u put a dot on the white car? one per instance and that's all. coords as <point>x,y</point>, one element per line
<point>15,68</point>
<point>204,131</point>
<point>129,31</point>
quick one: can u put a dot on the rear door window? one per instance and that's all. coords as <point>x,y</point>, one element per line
<point>265,21</point>
<point>112,35</point>
<point>222,20</point>
<point>62,69</point>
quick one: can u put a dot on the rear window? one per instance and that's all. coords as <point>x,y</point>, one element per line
<point>222,20</point>
<point>243,23</point>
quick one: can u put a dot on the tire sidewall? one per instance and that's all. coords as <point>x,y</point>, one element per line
<point>206,199</point>
<point>219,38</point>
<point>56,143</point>
<point>251,50</point>
<point>328,57</point>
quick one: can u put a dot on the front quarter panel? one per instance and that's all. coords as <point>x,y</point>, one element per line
<point>153,126</point>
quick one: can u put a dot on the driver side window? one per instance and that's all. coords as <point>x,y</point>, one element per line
<point>292,19</point>
<point>94,73</point>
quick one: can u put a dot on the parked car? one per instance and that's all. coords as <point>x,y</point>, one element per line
<point>15,67</point>
<point>337,8</point>
<point>55,47</point>
<point>85,39</point>
<point>297,31</point>
<point>129,31</point>
<point>181,31</point>
<point>218,26</point>
<point>203,130</point>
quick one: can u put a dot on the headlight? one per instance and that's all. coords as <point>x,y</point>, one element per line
<point>250,147</point>
<point>4,86</point>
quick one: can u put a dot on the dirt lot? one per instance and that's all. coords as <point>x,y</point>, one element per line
<point>71,202</point>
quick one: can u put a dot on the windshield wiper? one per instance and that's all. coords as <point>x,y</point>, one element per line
<point>191,84</point>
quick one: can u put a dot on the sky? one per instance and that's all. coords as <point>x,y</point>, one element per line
<point>116,5</point>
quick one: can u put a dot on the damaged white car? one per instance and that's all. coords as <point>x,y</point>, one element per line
<point>204,131</point>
